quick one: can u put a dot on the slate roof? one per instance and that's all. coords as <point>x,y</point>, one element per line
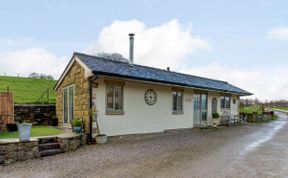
<point>102,66</point>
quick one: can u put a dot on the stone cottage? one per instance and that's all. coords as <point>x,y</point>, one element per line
<point>133,99</point>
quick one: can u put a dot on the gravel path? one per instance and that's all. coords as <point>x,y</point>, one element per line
<point>258,150</point>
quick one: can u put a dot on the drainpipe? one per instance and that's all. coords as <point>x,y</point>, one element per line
<point>90,139</point>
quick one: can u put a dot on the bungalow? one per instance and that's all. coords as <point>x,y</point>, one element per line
<point>133,99</point>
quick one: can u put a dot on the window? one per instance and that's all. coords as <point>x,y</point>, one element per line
<point>225,102</point>
<point>177,102</point>
<point>68,103</point>
<point>114,99</point>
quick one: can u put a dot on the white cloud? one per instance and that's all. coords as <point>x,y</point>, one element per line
<point>39,60</point>
<point>263,84</point>
<point>159,46</point>
<point>279,33</point>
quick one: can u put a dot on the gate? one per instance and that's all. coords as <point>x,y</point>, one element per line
<point>6,109</point>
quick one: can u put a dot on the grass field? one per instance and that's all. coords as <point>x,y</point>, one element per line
<point>35,132</point>
<point>28,90</point>
<point>251,109</point>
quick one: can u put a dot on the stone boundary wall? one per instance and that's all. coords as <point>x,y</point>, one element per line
<point>12,150</point>
<point>34,113</point>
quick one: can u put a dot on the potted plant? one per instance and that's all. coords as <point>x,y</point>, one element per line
<point>77,125</point>
<point>100,138</point>
<point>24,131</point>
<point>215,117</point>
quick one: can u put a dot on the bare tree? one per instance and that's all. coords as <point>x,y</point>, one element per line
<point>40,76</point>
<point>113,56</point>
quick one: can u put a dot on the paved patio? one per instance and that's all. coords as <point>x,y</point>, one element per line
<point>258,150</point>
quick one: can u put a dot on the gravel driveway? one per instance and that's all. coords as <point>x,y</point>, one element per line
<point>256,150</point>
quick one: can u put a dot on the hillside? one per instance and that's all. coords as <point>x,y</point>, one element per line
<point>28,90</point>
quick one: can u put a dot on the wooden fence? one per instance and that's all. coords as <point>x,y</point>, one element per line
<point>6,109</point>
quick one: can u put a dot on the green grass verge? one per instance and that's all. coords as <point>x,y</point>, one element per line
<point>251,109</point>
<point>281,108</point>
<point>28,90</point>
<point>35,132</point>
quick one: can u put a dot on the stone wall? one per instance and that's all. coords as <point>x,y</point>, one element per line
<point>75,76</point>
<point>12,150</point>
<point>71,143</point>
<point>34,113</point>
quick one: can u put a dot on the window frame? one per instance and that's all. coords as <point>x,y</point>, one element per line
<point>227,105</point>
<point>178,111</point>
<point>114,111</point>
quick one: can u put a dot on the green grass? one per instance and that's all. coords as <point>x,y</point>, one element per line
<point>28,90</point>
<point>281,108</point>
<point>35,132</point>
<point>251,109</point>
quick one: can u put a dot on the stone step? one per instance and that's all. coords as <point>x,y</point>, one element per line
<point>50,152</point>
<point>48,146</point>
<point>48,140</point>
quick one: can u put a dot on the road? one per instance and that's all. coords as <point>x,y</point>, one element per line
<point>253,150</point>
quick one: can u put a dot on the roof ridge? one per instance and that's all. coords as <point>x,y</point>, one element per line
<point>99,57</point>
<point>102,58</point>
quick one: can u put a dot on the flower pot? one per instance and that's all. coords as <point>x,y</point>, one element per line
<point>101,139</point>
<point>24,131</point>
<point>77,129</point>
<point>54,122</point>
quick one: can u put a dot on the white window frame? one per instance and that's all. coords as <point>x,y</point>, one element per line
<point>225,104</point>
<point>114,111</point>
<point>178,111</point>
<point>67,87</point>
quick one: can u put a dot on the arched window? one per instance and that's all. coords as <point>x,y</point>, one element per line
<point>214,105</point>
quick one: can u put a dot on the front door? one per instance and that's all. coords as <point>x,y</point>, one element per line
<point>200,109</point>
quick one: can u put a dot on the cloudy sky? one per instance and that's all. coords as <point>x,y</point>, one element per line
<point>243,42</point>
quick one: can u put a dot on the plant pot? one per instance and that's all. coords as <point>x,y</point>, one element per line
<point>11,127</point>
<point>54,122</point>
<point>24,131</point>
<point>101,139</point>
<point>77,129</point>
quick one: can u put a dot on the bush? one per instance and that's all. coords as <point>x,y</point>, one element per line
<point>77,122</point>
<point>215,115</point>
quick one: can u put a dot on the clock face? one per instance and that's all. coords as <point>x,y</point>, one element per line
<point>150,97</point>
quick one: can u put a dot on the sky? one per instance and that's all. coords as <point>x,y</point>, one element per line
<point>243,42</point>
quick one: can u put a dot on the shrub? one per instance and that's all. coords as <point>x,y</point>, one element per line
<point>215,115</point>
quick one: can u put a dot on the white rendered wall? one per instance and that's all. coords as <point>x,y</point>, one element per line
<point>141,118</point>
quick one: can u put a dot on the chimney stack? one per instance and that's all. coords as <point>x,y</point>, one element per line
<point>168,68</point>
<point>131,53</point>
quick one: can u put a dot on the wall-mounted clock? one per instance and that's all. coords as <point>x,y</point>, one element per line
<point>150,97</point>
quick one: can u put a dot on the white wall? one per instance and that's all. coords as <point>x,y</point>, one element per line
<point>141,118</point>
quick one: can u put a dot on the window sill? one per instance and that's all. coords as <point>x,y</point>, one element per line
<point>225,109</point>
<point>177,112</point>
<point>115,112</point>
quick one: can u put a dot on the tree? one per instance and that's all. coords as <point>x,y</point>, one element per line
<point>113,56</point>
<point>34,75</point>
<point>40,76</point>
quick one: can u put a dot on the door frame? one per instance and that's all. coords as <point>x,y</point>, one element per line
<point>69,120</point>
<point>200,93</point>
